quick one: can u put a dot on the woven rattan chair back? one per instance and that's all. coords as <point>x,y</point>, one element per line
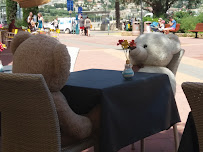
<point>194,94</point>
<point>173,65</point>
<point>28,117</point>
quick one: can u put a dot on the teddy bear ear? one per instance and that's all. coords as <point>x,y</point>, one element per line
<point>61,69</point>
<point>175,43</point>
<point>18,39</point>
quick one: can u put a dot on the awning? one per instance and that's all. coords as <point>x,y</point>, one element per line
<point>31,3</point>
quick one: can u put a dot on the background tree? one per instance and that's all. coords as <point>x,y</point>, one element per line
<point>60,5</point>
<point>160,7</point>
<point>11,9</point>
<point>193,3</point>
<point>26,12</point>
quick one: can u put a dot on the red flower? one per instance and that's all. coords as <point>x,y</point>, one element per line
<point>120,42</point>
<point>1,47</point>
<point>132,44</point>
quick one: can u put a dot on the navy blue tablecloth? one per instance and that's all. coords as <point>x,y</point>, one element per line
<point>189,141</point>
<point>131,110</point>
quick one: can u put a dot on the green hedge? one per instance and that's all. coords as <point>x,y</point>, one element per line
<point>188,23</point>
<point>187,20</point>
<point>150,19</point>
<point>19,23</point>
<point>11,9</point>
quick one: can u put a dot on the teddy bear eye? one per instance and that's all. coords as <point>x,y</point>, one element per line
<point>145,45</point>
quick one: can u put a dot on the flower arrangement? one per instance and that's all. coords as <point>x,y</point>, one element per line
<point>1,47</point>
<point>127,46</point>
<point>128,73</point>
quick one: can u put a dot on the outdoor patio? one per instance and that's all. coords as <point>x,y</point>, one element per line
<point>99,51</point>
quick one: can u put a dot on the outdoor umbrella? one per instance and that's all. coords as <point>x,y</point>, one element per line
<point>31,3</point>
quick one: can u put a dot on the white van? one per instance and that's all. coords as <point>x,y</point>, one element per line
<point>149,15</point>
<point>66,24</point>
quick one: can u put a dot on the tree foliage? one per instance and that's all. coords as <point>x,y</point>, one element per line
<point>160,7</point>
<point>11,9</point>
<point>60,5</point>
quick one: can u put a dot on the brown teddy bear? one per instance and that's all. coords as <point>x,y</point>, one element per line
<point>41,54</point>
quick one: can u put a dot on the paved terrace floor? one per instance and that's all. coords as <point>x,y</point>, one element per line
<point>100,51</point>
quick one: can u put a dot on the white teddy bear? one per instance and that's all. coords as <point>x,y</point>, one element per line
<point>153,53</point>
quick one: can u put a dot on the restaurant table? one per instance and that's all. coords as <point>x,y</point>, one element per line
<point>189,141</point>
<point>130,109</point>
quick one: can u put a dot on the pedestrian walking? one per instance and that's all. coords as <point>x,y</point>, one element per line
<point>82,28</point>
<point>56,23</point>
<point>87,26</point>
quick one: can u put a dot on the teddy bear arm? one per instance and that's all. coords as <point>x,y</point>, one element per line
<point>71,124</point>
<point>95,116</point>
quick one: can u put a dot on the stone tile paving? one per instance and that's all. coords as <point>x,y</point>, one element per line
<point>6,57</point>
<point>100,51</point>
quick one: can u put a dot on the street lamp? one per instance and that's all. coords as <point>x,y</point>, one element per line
<point>141,22</point>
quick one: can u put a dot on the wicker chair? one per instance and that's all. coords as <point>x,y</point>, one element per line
<point>194,94</point>
<point>173,66</point>
<point>10,35</point>
<point>29,119</point>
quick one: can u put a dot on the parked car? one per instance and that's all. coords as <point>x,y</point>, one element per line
<point>67,24</point>
<point>149,15</point>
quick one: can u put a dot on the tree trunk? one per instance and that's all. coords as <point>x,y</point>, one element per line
<point>158,12</point>
<point>117,11</point>
<point>158,9</point>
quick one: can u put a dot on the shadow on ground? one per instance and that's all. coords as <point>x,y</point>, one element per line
<point>6,57</point>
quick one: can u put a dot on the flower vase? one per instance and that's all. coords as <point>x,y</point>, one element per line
<point>1,67</point>
<point>128,72</point>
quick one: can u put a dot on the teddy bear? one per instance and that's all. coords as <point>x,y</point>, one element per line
<point>41,54</point>
<point>153,52</point>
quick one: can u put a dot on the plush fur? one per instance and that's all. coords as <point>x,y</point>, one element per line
<point>44,55</point>
<point>154,51</point>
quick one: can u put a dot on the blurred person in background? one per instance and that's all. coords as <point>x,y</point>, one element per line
<point>87,26</point>
<point>40,21</point>
<point>56,23</point>
<point>12,26</point>
<point>29,18</point>
<point>172,24</point>
<point>161,25</point>
<point>82,28</point>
